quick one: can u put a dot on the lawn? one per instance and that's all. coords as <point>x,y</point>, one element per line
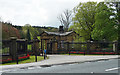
<point>30,60</point>
<point>29,47</point>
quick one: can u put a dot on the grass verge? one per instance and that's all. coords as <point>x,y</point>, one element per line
<point>30,60</point>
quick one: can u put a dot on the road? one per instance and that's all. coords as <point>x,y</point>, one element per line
<point>104,66</point>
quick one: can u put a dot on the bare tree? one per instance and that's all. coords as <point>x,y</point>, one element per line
<point>65,19</point>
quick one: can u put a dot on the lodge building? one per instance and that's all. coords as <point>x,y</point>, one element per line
<point>52,41</point>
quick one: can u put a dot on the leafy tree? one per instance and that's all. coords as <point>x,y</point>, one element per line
<point>105,27</point>
<point>22,34</point>
<point>118,22</point>
<point>18,27</point>
<point>116,6</point>
<point>33,31</point>
<point>84,19</point>
<point>28,35</point>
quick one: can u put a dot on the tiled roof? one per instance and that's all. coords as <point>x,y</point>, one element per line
<point>58,33</point>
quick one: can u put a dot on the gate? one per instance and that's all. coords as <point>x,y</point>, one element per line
<point>13,48</point>
<point>52,47</point>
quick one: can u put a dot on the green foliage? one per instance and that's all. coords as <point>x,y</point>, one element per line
<point>32,31</point>
<point>29,47</point>
<point>22,34</point>
<point>18,27</point>
<point>104,24</point>
<point>84,19</point>
<point>96,21</point>
<point>28,35</point>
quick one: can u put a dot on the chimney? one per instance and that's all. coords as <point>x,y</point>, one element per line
<point>61,30</point>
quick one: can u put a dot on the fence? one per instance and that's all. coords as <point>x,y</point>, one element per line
<point>86,47</point>
<point>5,47</point>
<point>29,48</point>
<point>33,47</point>
<point>21,46</point>
<point>13,48</point>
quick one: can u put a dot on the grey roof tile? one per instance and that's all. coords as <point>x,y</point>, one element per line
<point>58,33</point>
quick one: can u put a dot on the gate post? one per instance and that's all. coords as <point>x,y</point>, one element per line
<point>68,47</point>
<point>13,48</point>
<point>41,44</point>
<point>26,42</point>
<point>51,48</point>
<point>115,47</point>
<point>36,48</point>
<point>88,47</point>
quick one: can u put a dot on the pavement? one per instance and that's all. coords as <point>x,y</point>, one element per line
<point>61,59</point>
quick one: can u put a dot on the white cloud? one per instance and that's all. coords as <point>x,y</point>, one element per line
<point>35,12</point>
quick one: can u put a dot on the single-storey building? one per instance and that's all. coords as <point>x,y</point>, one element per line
<point>52,40</point>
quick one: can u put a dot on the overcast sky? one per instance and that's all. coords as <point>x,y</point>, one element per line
<point>35,12</point>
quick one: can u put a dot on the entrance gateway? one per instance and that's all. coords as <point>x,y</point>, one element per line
<point>54,41</point>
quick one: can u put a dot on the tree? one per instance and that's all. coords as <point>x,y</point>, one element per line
<point>9,31</point>
<point>33,31</point>
<point>117,19</point>
<point>22,34</point>
<point>105,26</point>
<point>28,35</point>
<point>65,19</point>
<point>84,19</point>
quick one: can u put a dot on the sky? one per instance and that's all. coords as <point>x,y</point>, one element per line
<point>35,12</point>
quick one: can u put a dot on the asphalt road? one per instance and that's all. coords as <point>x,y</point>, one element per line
<point>104,66</point>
